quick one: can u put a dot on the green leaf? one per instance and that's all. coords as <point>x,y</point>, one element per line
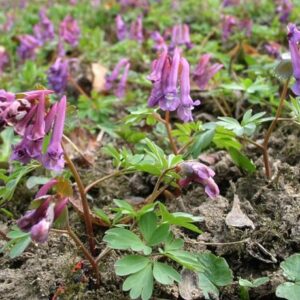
<point>231,124</point>
<point>173,243</point>
<point>184,258</point>
<point>20,246</point>
<point>131,264</point>
<point>148,224</point>
<point>255,283</point>
<point>288,290</point>
<point>102,215</point>
<point>17,233</point>
<point>123,239</point>
<point>140,284</point>
<point>126,208</point>
<point>33,181</point>
<point>216,269</point>
<point>201,142</point>
<point>207,287</point>
<point>159,235</point>
<point>241,160</point>
<point>165,274</point>
<point>291,267</point>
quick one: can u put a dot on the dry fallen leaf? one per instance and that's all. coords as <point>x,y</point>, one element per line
<point>236,217</point>
<point>99,73</point>
<point>188,286</point>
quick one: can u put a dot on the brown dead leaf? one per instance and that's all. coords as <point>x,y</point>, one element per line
<point>236,217</point>
<point>99,73</point>
<point>188,286</point>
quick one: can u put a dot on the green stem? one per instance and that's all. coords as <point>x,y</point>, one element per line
<point>169,132</point>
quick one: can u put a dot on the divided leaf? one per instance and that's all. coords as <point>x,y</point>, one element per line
<point>131,264</point>
<point>165,274</point>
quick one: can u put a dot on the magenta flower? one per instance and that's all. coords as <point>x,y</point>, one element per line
<point>58,75</point>
<point>39,221</point>
<point>122,84</point>
<point>136,30</point>
<point>180,36</point>
<point>227,3</point>
<point>53,159</point>
<point>4,59</point>
<point>200,173</point>
<point>44,30</point>
<point>284,9</point>
<point>121,28</point>
<point>9,23</point>
<point>229,23</point>
<point>69,31</point>
<point>28,47</point>
<point>294,39</point>
<point>204,71</point>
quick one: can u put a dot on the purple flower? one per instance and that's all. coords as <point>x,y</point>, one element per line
<point>39,221</point>
<point>7,26</point>
<point>186,106</point>
<point>121,28</point>
<point>294,39</point>
<point>122,84</point>
<point>284,9</point>
<point>28,47</point>
<point>229,23</point>
<point>58,75</point>
<point>44,30</point>
<point>180,36</point>
<point>136,30</point>
<point>200,173</point>
<point>159,42</point>
<point>273,49</point>
<point>246,26</point>
<point>115,74</point>
<point>4,59</point>
<point>227,3</point>
<point>95,3</point>
<point>204,71</point>
<point>69,31</point>
<point>53,159</point>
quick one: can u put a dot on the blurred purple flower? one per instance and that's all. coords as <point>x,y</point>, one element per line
<point>200,173</point>
<point>294,39</point>
<point>28,46</point>
<point>58,75</point>
<point>4,59</point>
<point>227,3</point>
<point>273,49</point>
<point>39,221</point>
<point>69,31</point>
<point>204,71</point>
<point>284,9</point>
<point>136,30</point>
<point>95,3</point>
<point>114,76</point>
<point>121,28</point>
<point>229,23</point>
<point>180,36</point>
<point>159,42</point>
<point>44,30</point>
<point>9,23</point>
<point>53,159</point>
<point>246,26</point>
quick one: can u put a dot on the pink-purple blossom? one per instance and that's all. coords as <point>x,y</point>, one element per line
<point>121,28</point>
<point>200,173</point>
<point>4,59</point>
<point>69,31</point>
<point>180,36</point>
<point>44,30</point>
<point>159,41</point>
<point>58,75</point>
<point>204,71</point>
<point>28,47</point>
<point>284,9</point>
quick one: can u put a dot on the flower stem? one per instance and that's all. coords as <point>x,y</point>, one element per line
<point>169,132</point>
<point>85,205</point>
<point>271,128</point>
<point>86,253</point>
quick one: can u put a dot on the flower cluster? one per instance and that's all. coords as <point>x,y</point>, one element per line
<point>284,9</point>
<point>231,25</point>
<point>39,221</point>
<point>204,71</point>
<point>159,41</point>
<point>44,30</point>
<point>180,36</point>
<point>28,47</point>
<point>58,75</point>
<point>135,32</point>
<point>227,3</point>
<point>69,31</point>
<point>135,3</point>
<point>273,49</point>
<point>200,173</point>
<point>113,78</point>
<point>294,39</point>
<point>171,85</point>
<point>27,114</point>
